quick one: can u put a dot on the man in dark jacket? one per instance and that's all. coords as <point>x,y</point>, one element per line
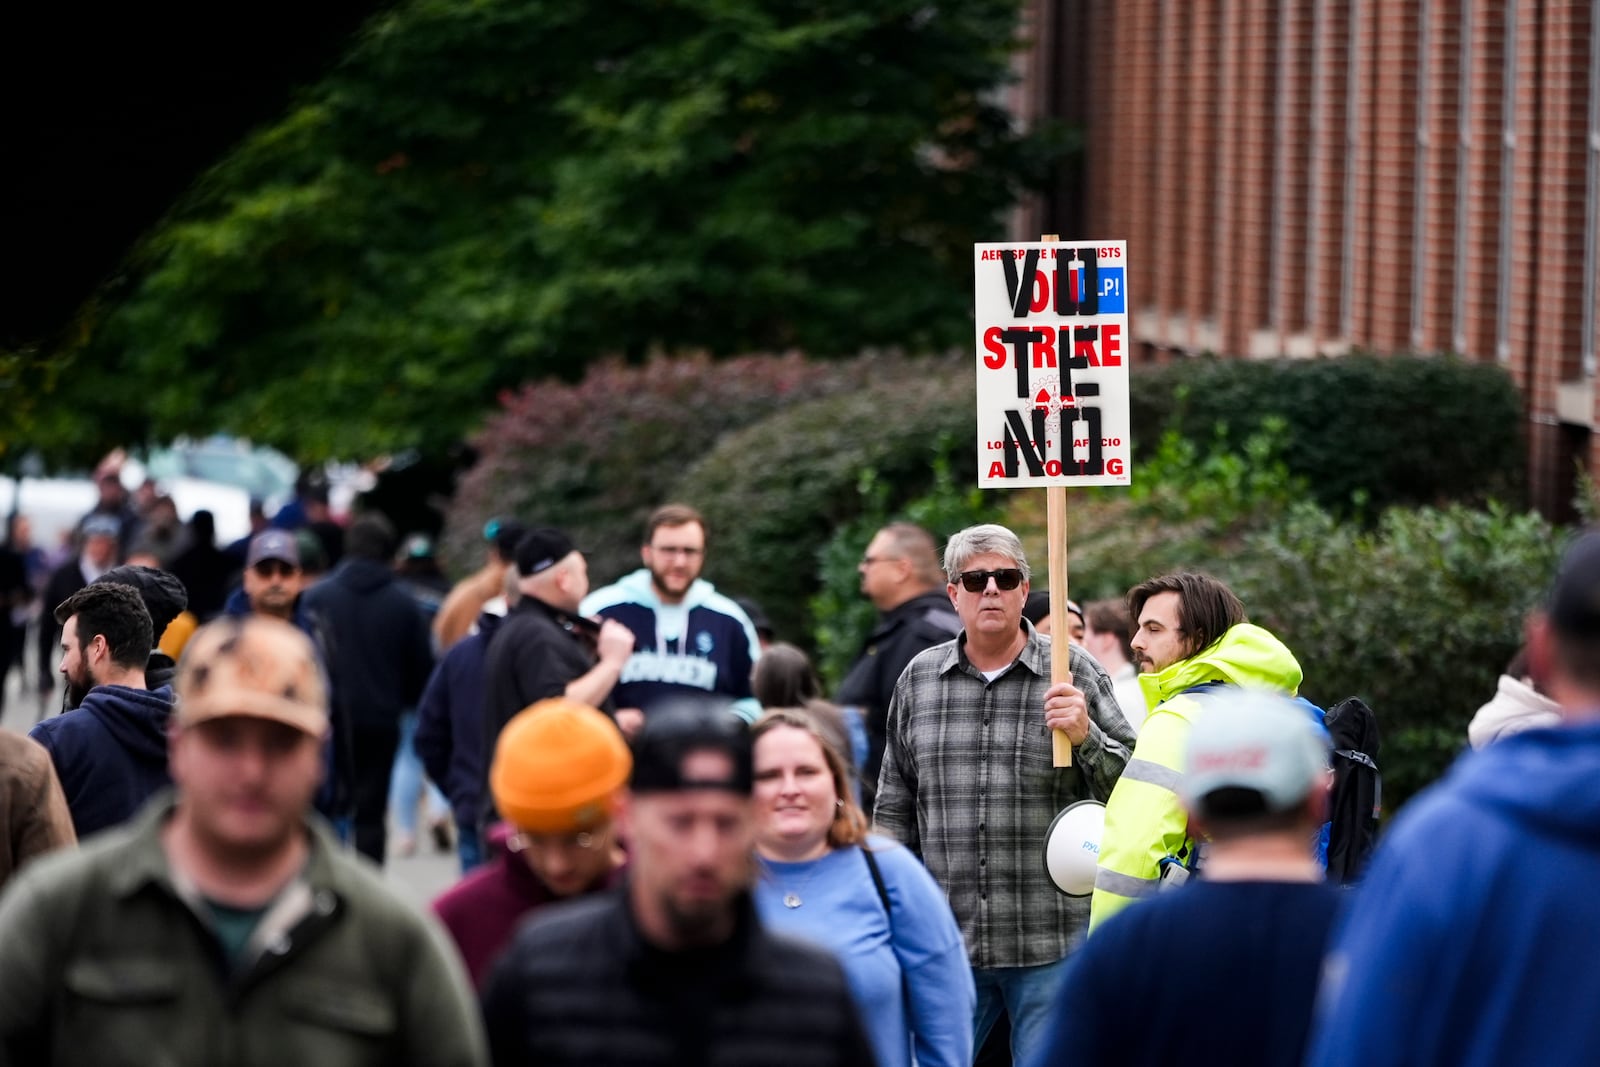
<point>99,553</point>
<point>204,569</point>
<point>111,751</point>
<point>452,732</point>
<point>545,648</point>
<point>674,967</point>
<point>381,658</point>
<point>900,574</point>
<point>272,582</point>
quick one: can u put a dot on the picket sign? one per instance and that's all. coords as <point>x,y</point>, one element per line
<point>1052,388</point>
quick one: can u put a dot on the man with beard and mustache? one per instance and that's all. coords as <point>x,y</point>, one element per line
<point>689,640</point>
<point>675,966</point>
<point>273,580</point>
<point>110,751</point>
<point>225,925</point>
<point>1191,636</point>
<point>165,598</point>
<point>272,577</point>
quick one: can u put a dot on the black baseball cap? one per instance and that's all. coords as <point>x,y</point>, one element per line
<point>540,549</point>
<point>504,533</point>
<point>1574,604</point>
<point>671,733</point>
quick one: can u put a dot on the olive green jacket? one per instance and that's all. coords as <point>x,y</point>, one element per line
<point>107,956</point>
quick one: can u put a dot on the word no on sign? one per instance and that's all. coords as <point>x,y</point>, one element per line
<point>1052,330</point>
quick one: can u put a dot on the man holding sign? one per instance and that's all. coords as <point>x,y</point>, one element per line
<point>969,783</point>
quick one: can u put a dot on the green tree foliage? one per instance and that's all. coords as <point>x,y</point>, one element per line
<point>1365,432</point>
<point>26,376</point>
<point>487,193</point>
<point>1188,501</point>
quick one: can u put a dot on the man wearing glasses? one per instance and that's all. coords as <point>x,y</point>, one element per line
<point>688,639</point>
<point>968,781</point>
<point>900,574</point>
<point>272,583</point>
<point>272,576</point>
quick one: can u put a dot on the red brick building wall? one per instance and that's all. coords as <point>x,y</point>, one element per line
<point>1391,175</point>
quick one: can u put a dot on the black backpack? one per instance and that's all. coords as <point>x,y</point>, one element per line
<point>1357,797</point>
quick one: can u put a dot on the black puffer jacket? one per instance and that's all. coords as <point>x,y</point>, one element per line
<point>579,985</point>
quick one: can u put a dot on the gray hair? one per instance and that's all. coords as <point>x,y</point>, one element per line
<point>978,541</point>
<point>916,546</point>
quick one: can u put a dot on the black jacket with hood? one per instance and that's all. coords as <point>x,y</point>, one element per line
<point>382,654</point>
<point>110,753</point>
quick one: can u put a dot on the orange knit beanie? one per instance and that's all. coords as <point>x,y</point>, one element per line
<point>556,765</point>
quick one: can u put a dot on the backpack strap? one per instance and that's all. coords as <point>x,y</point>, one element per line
<point>1358,757</point>
<point>883,897</point>
<point>877,882</point>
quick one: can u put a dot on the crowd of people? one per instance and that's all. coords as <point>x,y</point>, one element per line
<point>678,847</point>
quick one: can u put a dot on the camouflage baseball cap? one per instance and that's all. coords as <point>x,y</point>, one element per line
<point>253,666</point>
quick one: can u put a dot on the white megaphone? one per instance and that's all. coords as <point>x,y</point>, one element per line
<point>1072,847</point>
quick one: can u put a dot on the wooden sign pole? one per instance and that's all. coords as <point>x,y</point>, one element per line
<point>1055,527</point>
<point>1060,647</point>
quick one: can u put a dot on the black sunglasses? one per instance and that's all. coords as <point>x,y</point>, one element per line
<point>977,581</point>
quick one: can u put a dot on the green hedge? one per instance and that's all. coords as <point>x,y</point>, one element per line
<point>776,491</point>
<point>1417,615</point>
<point>843,617</point>
<point>595,457</point>
<point>1364,430</point>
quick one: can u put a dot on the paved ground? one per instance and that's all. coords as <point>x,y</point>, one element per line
<point>418,878</point>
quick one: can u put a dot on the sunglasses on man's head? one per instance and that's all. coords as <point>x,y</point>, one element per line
<point>977,581</point>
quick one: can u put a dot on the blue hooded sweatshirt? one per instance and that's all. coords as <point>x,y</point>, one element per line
<point>1472,939</point>
<point>110,753</point>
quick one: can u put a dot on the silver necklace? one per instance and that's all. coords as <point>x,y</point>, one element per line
<point>791,897</point>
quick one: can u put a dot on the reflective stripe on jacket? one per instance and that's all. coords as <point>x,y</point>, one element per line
<point>1145,821</point>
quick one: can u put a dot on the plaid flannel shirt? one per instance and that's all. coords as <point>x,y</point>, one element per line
<point>968,784</point>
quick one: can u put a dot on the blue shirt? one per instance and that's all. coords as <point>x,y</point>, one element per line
<point>908,972</point>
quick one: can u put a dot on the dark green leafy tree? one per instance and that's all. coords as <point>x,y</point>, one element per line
<point>484,194</point>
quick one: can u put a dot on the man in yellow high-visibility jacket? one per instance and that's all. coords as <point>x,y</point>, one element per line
<point>1191,631</point>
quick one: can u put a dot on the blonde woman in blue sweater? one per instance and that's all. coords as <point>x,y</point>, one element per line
<point>868,900</point>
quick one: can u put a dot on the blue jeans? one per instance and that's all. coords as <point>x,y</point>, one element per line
<point>406,782</point>
<point>469,844</point>
<point>1028,995</point>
